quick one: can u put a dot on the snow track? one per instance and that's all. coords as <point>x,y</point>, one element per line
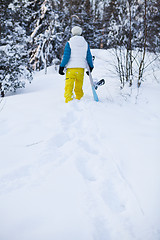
<point>76,171</point>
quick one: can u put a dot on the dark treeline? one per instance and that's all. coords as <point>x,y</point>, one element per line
<point>34,32</point>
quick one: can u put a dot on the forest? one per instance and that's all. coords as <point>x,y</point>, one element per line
<point>33,34</point>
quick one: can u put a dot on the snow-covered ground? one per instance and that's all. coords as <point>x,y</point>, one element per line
<point>82,170</point>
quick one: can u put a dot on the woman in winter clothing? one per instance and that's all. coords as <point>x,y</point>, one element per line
<point>76,56</point>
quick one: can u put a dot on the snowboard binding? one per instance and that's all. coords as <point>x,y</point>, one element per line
<point>99,83</point>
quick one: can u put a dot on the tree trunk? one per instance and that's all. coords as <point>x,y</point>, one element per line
<point>1,91</point>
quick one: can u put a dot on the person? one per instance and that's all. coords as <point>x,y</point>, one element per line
<point>76,56</point>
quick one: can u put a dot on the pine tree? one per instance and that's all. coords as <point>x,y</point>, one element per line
<point>99,23</point>
<point>14,66</point>
<point>153,26</point>
<point>83,12</point>
<point>48,34</point>
<point>87,22</point>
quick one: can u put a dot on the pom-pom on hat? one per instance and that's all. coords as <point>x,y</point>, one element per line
<point>76,31</point>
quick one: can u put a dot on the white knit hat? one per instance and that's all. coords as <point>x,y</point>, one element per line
<point>76,31</point>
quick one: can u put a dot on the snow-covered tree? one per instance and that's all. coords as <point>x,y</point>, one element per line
<point>87,22</point>
<point>80,12</point>
<point>100,23</point>
<point>48,34</point>
<point>14,67</point>
<point>128,32</point>
<point>153,25</point>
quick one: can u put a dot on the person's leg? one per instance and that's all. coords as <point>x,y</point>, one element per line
<point>69,84</point>
<point>79,72</point>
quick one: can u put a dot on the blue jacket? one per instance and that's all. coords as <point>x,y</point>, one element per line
<point>67,54</point>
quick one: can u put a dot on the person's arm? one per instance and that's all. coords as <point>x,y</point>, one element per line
<point>66,55</point>
<point>89,58</point>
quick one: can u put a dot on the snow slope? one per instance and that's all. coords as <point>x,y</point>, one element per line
<point>82,170</point>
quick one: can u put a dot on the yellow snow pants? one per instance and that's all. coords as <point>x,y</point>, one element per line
<point>74,80</point>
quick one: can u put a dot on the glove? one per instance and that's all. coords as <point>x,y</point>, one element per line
<point>61,70</point>
<point>90,68</point>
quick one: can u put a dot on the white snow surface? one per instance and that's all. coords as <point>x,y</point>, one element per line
<point>84,170</point>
